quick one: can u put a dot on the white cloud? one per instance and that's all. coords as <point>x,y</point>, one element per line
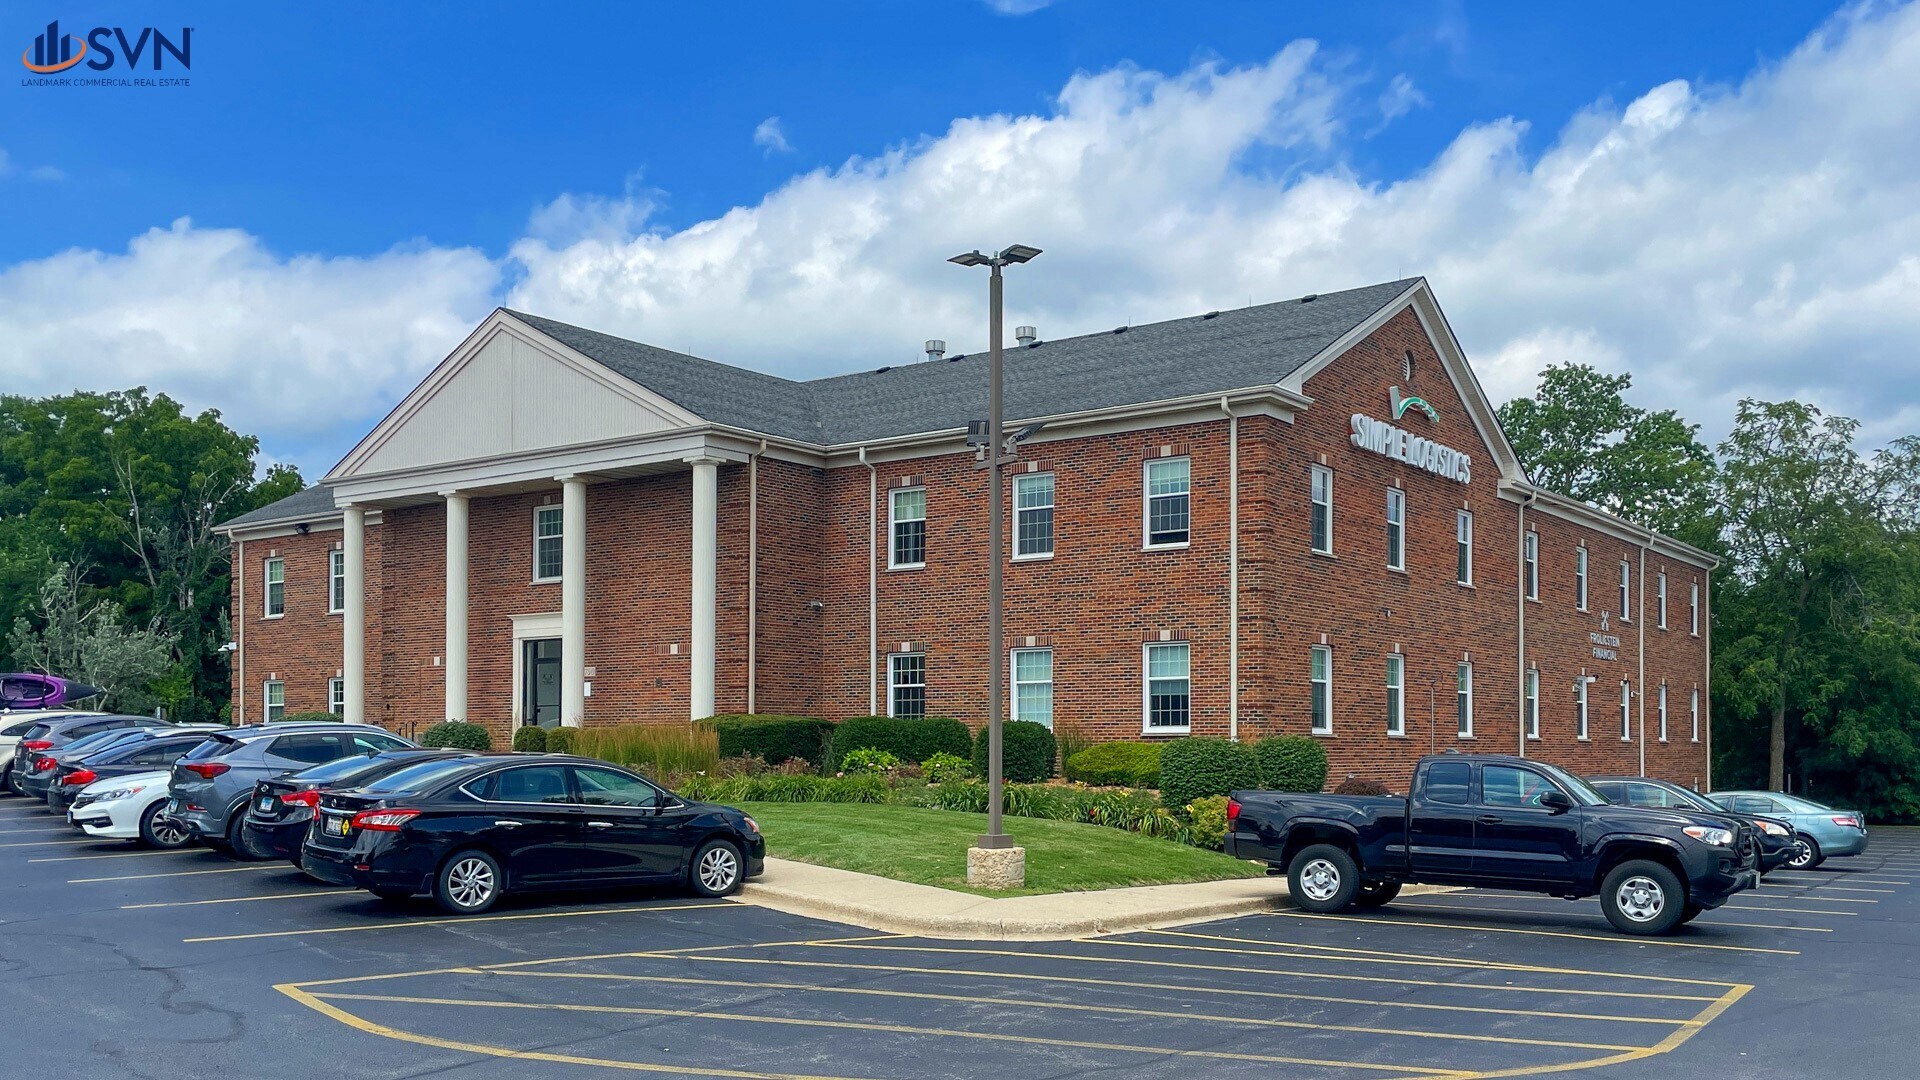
<point>1017,7</point>
<point>45,172</point>
<point>767,135</point>
<point>1400,98</point>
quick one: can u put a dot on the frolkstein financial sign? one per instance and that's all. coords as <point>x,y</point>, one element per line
<point>1398,443</point>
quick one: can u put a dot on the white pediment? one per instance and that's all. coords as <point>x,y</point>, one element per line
<point>509,390</point>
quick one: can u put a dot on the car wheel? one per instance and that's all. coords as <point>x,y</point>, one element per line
<point>716,868</point>
<point>469,883</point>
<point>1375,894</point>
<point>1806,854</point>
<point>1690,913</point>
<point>159,831</point>
<point>1643,897</point>
<point>1323,878</point>
<point>237,844</point>
<point>6,781</point>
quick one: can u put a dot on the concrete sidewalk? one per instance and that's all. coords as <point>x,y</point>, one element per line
<point>902,907</point>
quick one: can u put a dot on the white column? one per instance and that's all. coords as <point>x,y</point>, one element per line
<point>573,601</point>
<point>706,528</point>
<point>456,651</point>
<point>353,628</point>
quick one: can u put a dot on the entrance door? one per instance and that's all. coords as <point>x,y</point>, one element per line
<point>540,682</point>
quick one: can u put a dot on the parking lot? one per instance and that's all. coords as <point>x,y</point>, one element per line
<point>122,962</point>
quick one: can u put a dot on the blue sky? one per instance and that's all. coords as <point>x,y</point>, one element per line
<point>360,184</point>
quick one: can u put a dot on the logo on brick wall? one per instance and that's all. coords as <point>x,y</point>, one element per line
<point>1411,401</point>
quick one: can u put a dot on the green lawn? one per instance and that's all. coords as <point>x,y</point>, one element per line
<point>930,847</point>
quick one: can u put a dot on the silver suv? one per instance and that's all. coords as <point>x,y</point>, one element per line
<point>211,784</point>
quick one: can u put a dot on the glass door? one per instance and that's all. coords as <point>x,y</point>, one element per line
<point>540,682</point>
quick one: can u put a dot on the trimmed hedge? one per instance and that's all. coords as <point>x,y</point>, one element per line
<point>560,740</point>
<point>314,717</point>
<point>904,738</point>
<point>1292,763</point>
<point>1117,764</point>
<point>1196,767</point>
<point>1354,785</point>
<point>774,787</point>
<point>530,739</point>
<point>457,735</point>
<point>1026,752</point>
<point>772,738</point>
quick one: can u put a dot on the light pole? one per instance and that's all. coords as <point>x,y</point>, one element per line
<point>1006,870</point>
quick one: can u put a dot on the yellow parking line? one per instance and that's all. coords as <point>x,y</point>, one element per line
<point>176,873</point>
<point>1622,939</point>
<point>1829,912</point>
<point>122,855</point>
<point>462,919</point>
<point>58,843</point>
<point>1664,1046</point>
<point>1833,888</point>
<point>1829,877</point>
<point>894,1029</point>
<point>1075,1007</point>
<point>1596,915</point>
<point>240,899</point>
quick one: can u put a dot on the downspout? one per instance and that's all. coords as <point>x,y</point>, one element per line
<point>1640,602</point>
<point>1233,571</point>
<point>753,574</point>
<point>1706,687</point>
<point>1521,621</point>
<point>873,586</point>
<point>239,676</point>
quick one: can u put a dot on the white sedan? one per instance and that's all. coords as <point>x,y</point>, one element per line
<point>129,808</point>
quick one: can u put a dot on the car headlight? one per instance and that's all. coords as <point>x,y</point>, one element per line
<point>752,825</point>
<point>118,793</point>
<point>1771,829</point>
<point>1707,834</point>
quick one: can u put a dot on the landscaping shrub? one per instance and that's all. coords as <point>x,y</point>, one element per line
<point>560,740</point>
<point>1069,739</point>
<point>314,717</point>
<point>1195,767</point>
<point>657,748</point>
<point>774,787</point>
<point>870,761</point>
<point>530,739</point>
<point>796,766</point>
<point>1026,752</point>
<point>904,738</point>
<point>740,765</point>
<point>457,735</point>
<point>941,768</point>
<point>772,738</point>
<point>1292,763</point>
<point>1209,818</point>
<point>1353,785</point>
<point>1117,764</point>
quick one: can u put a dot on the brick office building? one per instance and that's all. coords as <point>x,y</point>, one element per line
<point>1297,517</point>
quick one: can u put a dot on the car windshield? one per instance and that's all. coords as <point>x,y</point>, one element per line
<point>215,746</point>
<point>1798,803</point>
<point>1692,798</point>
<point>1582,792</point>
<point>416,777</point>
<point>97,739</point>
<point>344,769</point>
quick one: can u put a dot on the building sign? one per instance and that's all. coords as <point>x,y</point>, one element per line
<point>1403,445</point>
<point>1605,646</point>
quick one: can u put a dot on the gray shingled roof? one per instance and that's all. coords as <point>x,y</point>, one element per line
<point>1202,354</point>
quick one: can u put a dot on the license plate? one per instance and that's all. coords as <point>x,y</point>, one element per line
<point>335,826</point>
<point>266,805</point>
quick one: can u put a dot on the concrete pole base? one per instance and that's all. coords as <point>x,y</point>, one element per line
<point>997,868</point>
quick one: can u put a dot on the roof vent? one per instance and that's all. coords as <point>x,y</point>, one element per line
<point>1119,329</point>
<point>884,370</point>
<point>1310,298</point>
<point>1211,315</point>
<point>936,348</point>
<point>956,356</point>
<point>1026,335</point>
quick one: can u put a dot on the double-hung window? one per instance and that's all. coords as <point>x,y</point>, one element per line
<point>337,696</point>
<point>1693,713</point>
<point>276,598</point>
<point>907,685</point>
<point>1663,712</point>
<point>1463,695</point>
<point>1169,483</point>
<point>1580,578</point>
<point>1169,705</point>
<point>548,544</point>
<point>1532,705</point>
<point>1396,529</point>
<point>336,581</point>
<point>1322,490</point>
<point>907,528</point>
<point>1530,554</point>
<point>1580,708</point>
<point>1693,609</point>
<point>1626,591</point>
<point>1033,516</point>
<point>1463,542</point>
<point>1660,591</point>
<point>1320,675</point>
<point>274,694</point>
<point>1033,685</point>
<point>1626,710</point>
<point>1396,694</point>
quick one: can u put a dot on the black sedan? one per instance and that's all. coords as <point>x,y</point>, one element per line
<point>1776,837</point>
<point>470,830</point>
<point>281,807</point>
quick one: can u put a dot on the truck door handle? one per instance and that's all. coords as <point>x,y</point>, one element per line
<point>509,824</point>
<point>599,824</point>
<point>1488,819</point>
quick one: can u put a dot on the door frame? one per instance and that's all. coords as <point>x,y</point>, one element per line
<point>526,628</point>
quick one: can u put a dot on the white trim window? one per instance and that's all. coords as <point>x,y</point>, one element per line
<point>1463,542</point>
<point>1167,692</point>
<point>907,528</point>
<point>1580,708</point>
<point>1532,703</point>
<point>274,600</point>
<point>1530,555</point>
<point>1396,529</point>
<point>1033,516</point>
<point>1663,712</point>
<point>1032,684</point>
<point>549,545</point>
<point>273,696</point>
<point>1463,698</point>
<point>1321,484</point>
<point>1396,694</point>
<point>1580,579</point>
<point>337,696</point>
<point>1320,678</point>
<point>1626,591</point>
<point>1693,713</point>
<point>907,685</point>
<point>1660,591</point>
<point>336,581</point>
<point>1167,508</point>
<point>1693,608</point>
<point>1626,710</point>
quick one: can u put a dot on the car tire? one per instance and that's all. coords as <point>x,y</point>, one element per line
<point>1323,879</point>
<point>1641,896</point>
<point>1689,913</point>
<point>236,845</point>
<point>468,883</point>
<point>716,869</point>
<point>1806,854</point>
<point>1375,894</point>
<point>163,835</point>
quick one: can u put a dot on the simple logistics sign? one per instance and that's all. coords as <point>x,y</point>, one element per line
<point>1400,444</point>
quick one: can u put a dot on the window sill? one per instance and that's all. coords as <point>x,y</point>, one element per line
<point>1048,557</point>
<point>547,581</point>
<point>1464,584</point>
<point>282,615</point>
<point>907,566</point>
<point>1321,734</point>
<point>1322,554</point>
<point>1181,546</point>
<point>1533,599</point>
<point>1396,734</point>
<point>1464,738</point>
<point>1167,730</point>
<point>337,611</point>
<point>1392,569</point>
<point>1533,738</point>
<point>1581,738</point>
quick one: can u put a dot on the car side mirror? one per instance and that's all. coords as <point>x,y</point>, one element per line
<point>1556,801</point>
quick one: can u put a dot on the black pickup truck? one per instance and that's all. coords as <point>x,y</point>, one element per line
<point>1500,822</point>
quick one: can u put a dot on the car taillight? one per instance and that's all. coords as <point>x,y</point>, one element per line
<point>79,776</point>
<point>1233,812</point>
<point>45,764</point>
<point>301,798</point>
<point>35,744</point>
<point>1847,821</point>
<point>382,820</point>
<point>205,770</point>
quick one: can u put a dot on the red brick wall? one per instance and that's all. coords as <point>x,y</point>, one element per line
<point>301,648</point>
